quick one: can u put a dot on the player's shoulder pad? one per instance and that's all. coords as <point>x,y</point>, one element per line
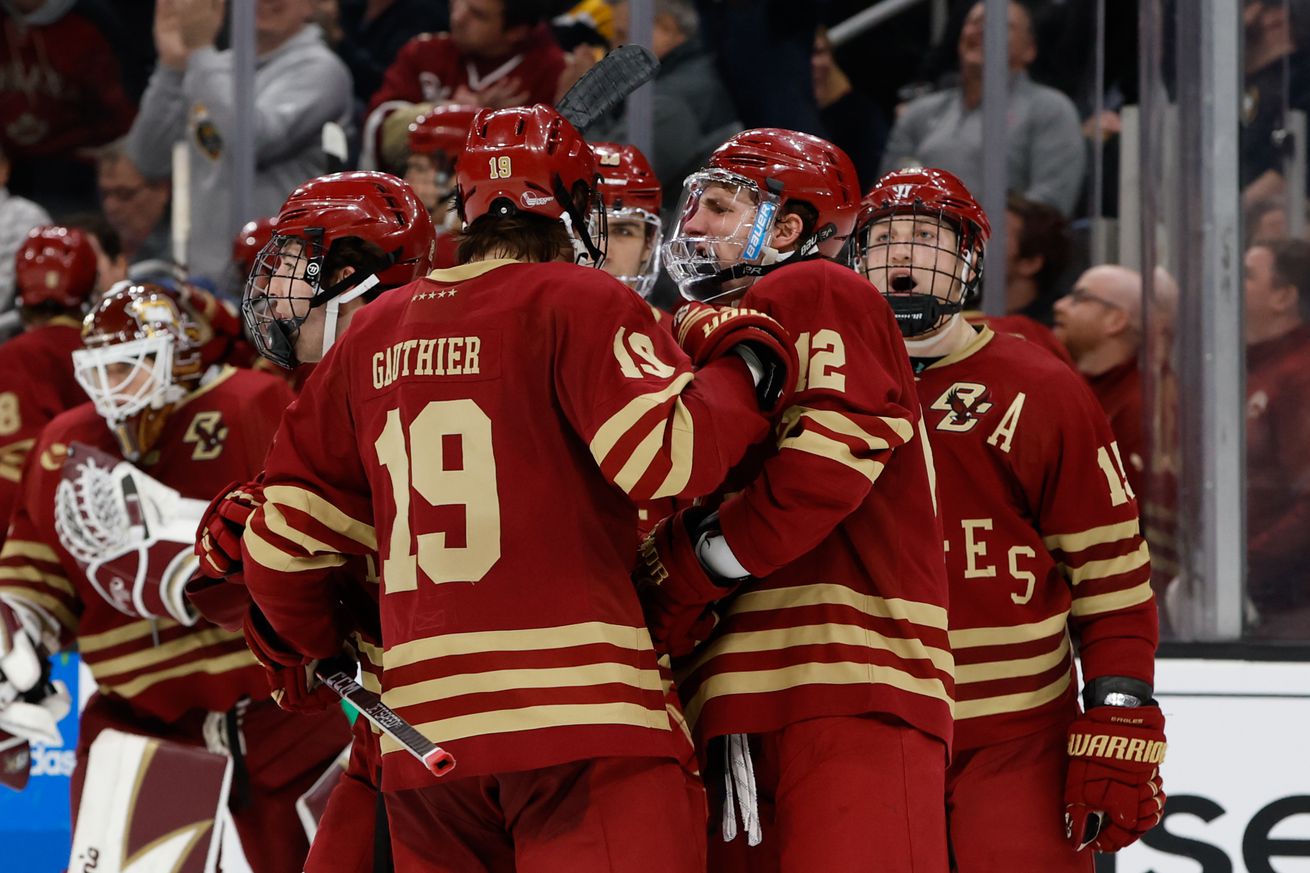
<point>814,288</point>
<point>81,423</point>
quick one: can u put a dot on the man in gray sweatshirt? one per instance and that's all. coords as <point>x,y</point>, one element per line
<point>300,85</point>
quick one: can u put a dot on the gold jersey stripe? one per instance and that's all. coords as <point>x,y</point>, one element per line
<point>464,272</point>
<point>266,555</point>
<point>521,679</point>
<point>164,652</point>
<point>119,635</point>
<point>830,673</point>
<point>534,718</point>
<point>814,443</point>
<point>1096,536</point>
<point>613,430</point>
<point>51,605</point>
<point>1013,702</point>
<point>682,441</point>
<point>368,652</point>
<point>988,671</point>
<point>31,574</point>
<point>1115,600</point>
<point>1138,558</point>
<point>838,423</point>
<point>209,666</point>
<point>28,549</point>
<point>277,524</point>
<point>830,594</point>
<point>641,458</point>
<point>525,640</point>
<point>324,513</point>
<point>972,637</point>
<point>743,642</point>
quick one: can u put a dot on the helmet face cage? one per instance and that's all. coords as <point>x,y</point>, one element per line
<point>724,222</point>
<point>281,291</point>
<point>633,239</point>
<point>923,259</point>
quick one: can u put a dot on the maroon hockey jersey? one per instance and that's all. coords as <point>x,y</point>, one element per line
<point>36,384</point>
<point>61,87</point>
<point>430,68</point>
<point>1042,537</point>
<point>848,613</point>
<point>162,668</point>
<point>1119,391</point>
<point>487,430</point>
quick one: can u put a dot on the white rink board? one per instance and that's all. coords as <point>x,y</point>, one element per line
<point>1237,771</point>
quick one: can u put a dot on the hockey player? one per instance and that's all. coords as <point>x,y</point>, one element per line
<point>436,140</point>
<point>632,199</point>
<point>366,228</point>
<point>54,280</point>
<point>1042,544</point>
<point>486,429</point>
<point>832,656</point>
<point>93,560</point>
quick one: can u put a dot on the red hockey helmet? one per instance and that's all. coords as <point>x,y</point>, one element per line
<point>632,197</point>
<point>249,242</point>
<point>927,277</point>
<point>762,171</point>
<point>443,130</point>
<point>371,207</point>
<point>56,266</point>
<point>529,159</point>
<point>141,357</point>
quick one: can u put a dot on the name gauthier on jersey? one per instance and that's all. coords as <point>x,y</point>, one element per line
<point>440,356</point>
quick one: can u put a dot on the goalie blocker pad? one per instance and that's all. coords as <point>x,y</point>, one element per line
<point>132,535</point>
<point>151,805</point>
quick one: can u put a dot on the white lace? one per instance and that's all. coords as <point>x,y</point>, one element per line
<point>739,791</point>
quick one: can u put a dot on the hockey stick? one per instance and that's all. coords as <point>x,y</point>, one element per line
<point>607,84</point>
<point>438,761</point>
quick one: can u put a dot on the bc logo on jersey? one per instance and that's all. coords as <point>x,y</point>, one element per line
<point>965,401</point>
<point>208,433</point>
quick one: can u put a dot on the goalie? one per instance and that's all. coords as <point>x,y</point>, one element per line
<point>96,557</point>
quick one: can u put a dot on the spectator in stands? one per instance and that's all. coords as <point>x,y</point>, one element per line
<point>111,263</point>
<point>1277,71</point>
<point>1100,322</point>
<point>368,34</point>
<point>1037,252</point>
<point>1046,152</point>
<point>17,217</point>
<point>136,207</point>
<point>854,122</point>
<point>299,86</point>
<point>62,93</point>
<point>693,112</point>
<point>1277,289</point>
<point>498,53</point>
<point>764,54</point>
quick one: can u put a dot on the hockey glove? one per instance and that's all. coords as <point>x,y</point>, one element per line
<point>291,679</point>
<point>132,535</point>
<point>1113,792</point>
<point>677,593</point>
<point>31,705</point>
<point>706,333</point>
<point>218,542</point>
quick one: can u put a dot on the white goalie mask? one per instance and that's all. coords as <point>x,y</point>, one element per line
<point>141,358</point>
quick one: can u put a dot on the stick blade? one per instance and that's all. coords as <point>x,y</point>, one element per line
<point>607,84</point>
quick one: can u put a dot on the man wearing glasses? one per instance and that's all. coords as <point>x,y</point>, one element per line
<point>1100,323</point>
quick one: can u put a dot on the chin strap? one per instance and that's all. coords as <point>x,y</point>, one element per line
<point>333,308</point>
<point>740,271</point>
